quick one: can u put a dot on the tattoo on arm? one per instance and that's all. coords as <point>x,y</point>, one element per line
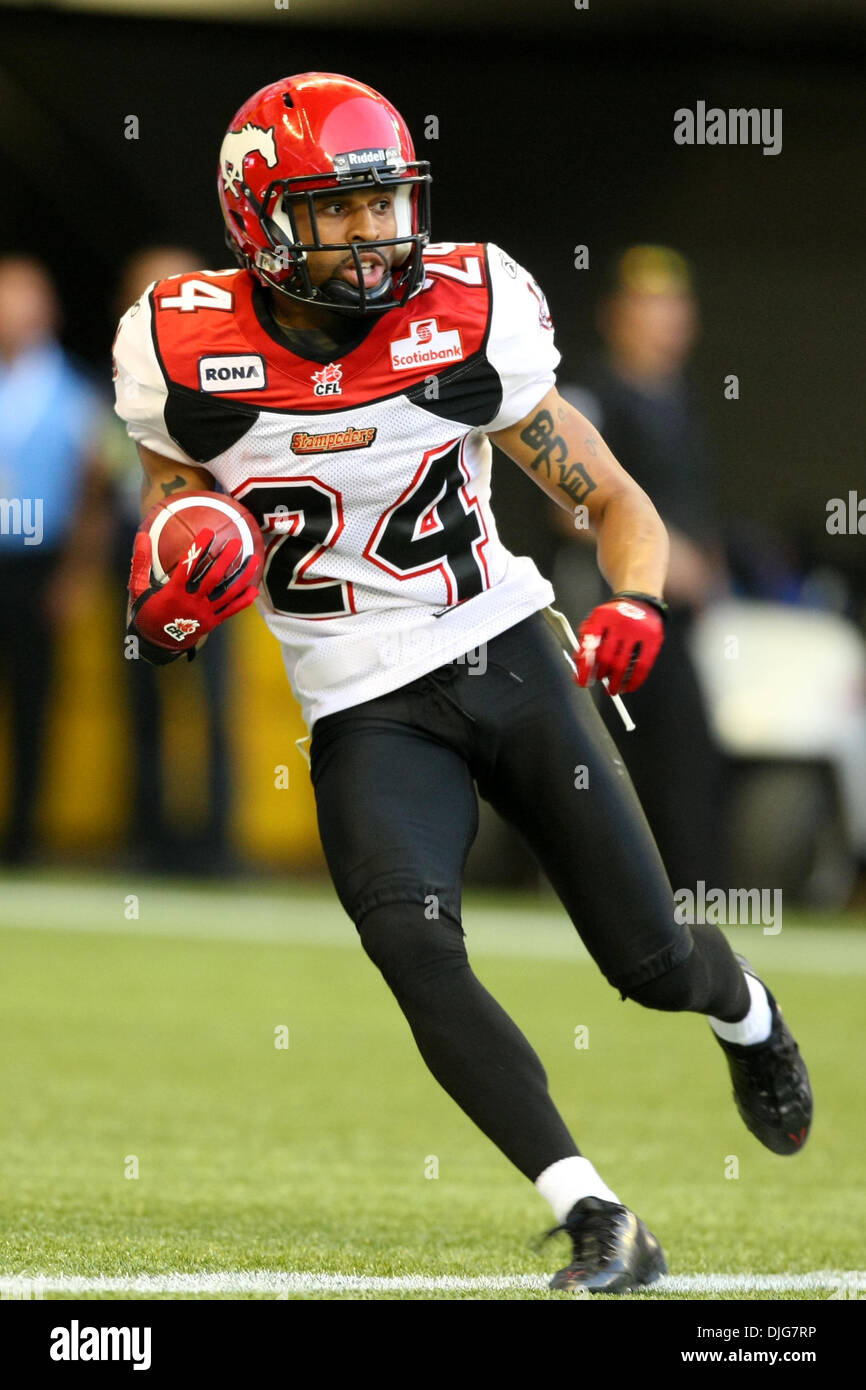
<point>176,482</point>
<point>574,478</point>
<point>575,481</point>
<point>539,436</point>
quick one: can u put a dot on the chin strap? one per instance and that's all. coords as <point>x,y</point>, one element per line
<point>336,291</point>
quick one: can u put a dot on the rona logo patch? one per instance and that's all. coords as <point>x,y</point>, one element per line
<point>226,373</point>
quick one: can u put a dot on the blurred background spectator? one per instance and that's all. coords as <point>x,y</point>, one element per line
<point>157,840</point>
<point>637,393</point>
<point>52,524</point>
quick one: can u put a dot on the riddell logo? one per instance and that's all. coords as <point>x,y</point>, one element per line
<point>355,159</point>
<point>328,382</point>
<point>426,345</point>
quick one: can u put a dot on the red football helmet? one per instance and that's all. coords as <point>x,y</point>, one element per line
<point>298,138</point>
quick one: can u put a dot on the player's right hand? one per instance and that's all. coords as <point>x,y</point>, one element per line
<point>195,599</point>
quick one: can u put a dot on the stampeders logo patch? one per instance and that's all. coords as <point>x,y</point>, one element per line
<point>349,438</point>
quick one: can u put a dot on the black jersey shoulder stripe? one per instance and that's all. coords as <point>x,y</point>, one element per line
<point>469,392</point>
<point>202,425</point>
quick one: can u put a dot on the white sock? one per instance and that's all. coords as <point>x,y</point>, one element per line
<point>756,1026</point>
<point>569,1179</point>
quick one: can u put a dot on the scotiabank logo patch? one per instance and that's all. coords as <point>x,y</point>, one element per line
<point>349,438</point>
<point>232,373</point>
<point>426,346</point>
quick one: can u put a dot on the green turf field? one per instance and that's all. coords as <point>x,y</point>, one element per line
<point>148,1044</point>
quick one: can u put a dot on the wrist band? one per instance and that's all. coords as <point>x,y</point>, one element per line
<point>153,653</point>
<point>657,603</point>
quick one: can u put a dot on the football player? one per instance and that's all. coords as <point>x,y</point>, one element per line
<point>343,384</point>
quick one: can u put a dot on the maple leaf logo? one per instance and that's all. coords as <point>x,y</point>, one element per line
<point>328,381</point>
<point>181,628</point>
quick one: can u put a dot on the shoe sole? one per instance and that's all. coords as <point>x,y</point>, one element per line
<point>623,1282</point>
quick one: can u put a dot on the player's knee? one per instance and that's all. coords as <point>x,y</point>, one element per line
<point>672,991</point>
<point>409,948</point>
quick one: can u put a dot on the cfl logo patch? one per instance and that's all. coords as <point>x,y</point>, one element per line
<point>181,628</point>
<point>329,381</point>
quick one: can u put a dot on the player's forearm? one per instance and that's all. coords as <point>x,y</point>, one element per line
<point>566,456</point>
<point>164,479</point>
<point>155,490</point>
<point>632,544</point>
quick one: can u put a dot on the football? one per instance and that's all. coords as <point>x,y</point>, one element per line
<point>174,524</point>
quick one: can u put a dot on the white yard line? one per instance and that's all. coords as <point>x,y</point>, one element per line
<point>852,1283</point>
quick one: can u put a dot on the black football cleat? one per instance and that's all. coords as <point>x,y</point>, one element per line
<point>613,1250</point>
<point>771,1083</point>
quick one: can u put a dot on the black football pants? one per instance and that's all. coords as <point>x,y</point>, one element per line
<point>395,781</point>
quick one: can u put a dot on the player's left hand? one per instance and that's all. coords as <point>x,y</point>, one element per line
<point>620,641</point>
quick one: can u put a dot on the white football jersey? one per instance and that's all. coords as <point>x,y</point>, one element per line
<point>368,471</point>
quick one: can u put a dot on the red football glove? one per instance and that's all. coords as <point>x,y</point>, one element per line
<point>196,598</point>
<point>620,640</point>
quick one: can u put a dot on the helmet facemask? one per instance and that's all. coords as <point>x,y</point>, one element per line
<point>283,267</point>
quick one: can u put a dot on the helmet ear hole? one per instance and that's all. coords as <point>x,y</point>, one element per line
<point>238,220</point>
<point>403,215</point>
<point>280,226</point>
<point>237,251</point>
<point>403,210</point>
